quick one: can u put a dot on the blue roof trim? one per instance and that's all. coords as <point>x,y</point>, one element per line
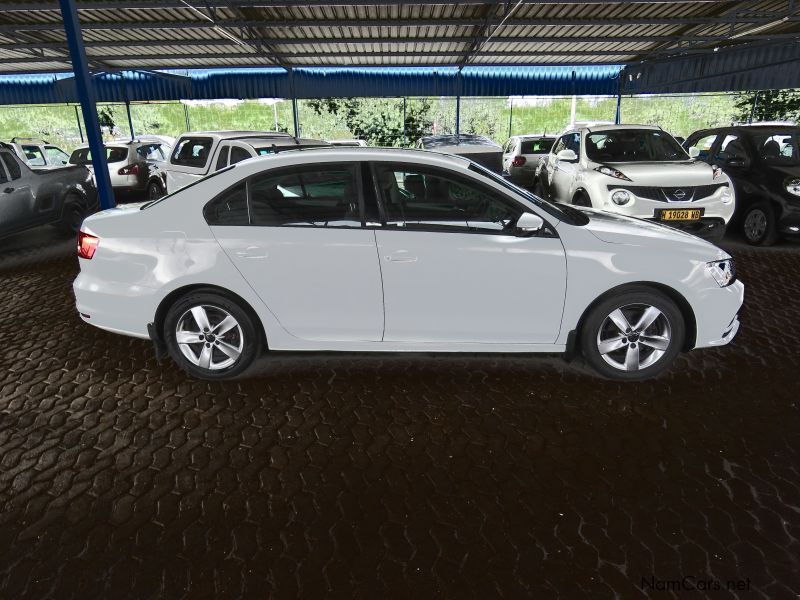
<point>323,82</point>
<point>767,67</point>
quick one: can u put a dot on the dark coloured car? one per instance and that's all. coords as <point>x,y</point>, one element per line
<point>763,163</point>
<point>33,197</point>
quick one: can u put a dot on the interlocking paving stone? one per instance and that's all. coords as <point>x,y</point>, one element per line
<point>383,476</point>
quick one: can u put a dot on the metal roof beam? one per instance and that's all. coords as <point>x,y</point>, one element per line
<point>631,39</point>
<point>287,24</point>
<point>145,4</point>
<point>364,54</point>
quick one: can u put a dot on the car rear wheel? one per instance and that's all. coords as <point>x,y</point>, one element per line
<point>760,225</point>
<point>538,189</point>
<point>210,336</point>
<point>633,335</point>
<point>154,190</point>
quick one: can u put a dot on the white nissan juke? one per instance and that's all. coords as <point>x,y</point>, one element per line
<point>366,249</point>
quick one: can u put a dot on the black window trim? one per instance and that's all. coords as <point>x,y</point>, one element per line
<point>277,172</point>
<point>547,231</point>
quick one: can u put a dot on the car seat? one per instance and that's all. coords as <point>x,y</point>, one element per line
<point>771,149</point>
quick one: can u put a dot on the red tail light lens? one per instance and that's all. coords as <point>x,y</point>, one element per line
<point>87,244</point>
<point>129,170</point>
<point>519,161</point>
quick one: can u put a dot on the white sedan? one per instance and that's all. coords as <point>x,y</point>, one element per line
<point>367,249</point>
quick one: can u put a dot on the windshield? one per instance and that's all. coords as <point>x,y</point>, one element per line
<point>562,213</point>
<point>633,145</point>
<point>779,148</point>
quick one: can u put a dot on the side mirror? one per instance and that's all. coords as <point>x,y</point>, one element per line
<point>694,152</point>
<point>529,223</point>
<point>567,155</point>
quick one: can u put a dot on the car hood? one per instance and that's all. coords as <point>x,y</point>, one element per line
<point>665,174</point>
<point>619,229</point>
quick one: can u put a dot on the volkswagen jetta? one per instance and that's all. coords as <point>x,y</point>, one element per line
<point>366,249</point>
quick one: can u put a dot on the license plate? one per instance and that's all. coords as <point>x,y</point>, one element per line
<point>680,214</point>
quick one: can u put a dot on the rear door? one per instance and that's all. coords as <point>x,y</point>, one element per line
<point>296,235</point>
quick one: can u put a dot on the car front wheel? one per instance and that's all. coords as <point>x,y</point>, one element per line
<point>210,336</point>
<point>633,335</point>
<point>760,225</point>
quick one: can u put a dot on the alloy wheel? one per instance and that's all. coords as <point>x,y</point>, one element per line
<point>209,337</point>
<point>755,225</point>
<point>634,337</point>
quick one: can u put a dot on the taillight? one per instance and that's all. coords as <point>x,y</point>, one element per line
<point>519,161</point>
<point>87,244</point>
<point>129,170</point>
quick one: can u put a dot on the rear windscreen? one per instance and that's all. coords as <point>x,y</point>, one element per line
<point>536,146</point>
<point>82,156</point>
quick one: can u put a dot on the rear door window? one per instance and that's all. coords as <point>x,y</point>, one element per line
<point>192,152</point>
<point>34,155</point>
<point>238,154</point>
<point>56,155</point>
<point>11,164</point>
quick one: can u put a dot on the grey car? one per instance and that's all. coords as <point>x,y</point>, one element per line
<point>33,197</point>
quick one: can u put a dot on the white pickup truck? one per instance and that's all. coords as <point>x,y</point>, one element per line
<point>197,154</point>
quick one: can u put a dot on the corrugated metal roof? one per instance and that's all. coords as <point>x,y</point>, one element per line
<point>130,34</point>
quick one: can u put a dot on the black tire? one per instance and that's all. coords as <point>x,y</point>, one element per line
<point>581,199</point>
<point>154,190</point>
<point>598,325</point>
<point>73,214</point>
<point>760,225</point>
<point>214,305</point>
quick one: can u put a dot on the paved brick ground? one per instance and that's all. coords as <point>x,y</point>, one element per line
<point>387,477</point>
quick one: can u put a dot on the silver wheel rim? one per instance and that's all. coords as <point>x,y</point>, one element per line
<point>209,337</point>
<point>634,337</point>
<point>755,225</point>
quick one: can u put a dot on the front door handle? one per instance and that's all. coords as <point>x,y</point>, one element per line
<point>401,256</point>
<point>8,190</point>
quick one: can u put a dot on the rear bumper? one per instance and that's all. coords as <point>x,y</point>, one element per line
<point>118,308</point>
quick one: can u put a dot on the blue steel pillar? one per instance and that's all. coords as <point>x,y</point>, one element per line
<point>88,101</point>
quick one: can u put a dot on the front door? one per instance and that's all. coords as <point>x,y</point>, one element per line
<point>17,204</point>
<point>454,269</point>
<point>304,251</point>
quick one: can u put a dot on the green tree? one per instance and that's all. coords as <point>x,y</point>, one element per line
<point>377,122</point>
<point>768,105</point>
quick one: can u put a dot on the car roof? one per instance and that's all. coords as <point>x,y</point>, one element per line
<point>289,141</point>
<point>361,153</point>
<point>232,134</point>
<point>613,127</point>
<point>527,136</point>
<point>450,140</point>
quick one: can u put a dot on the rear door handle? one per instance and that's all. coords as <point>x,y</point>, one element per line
<point>401,256</point>
<point>252,252</point>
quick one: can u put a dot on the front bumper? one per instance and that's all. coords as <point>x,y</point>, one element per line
<point>712,228</point>
<point>717,315</point>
